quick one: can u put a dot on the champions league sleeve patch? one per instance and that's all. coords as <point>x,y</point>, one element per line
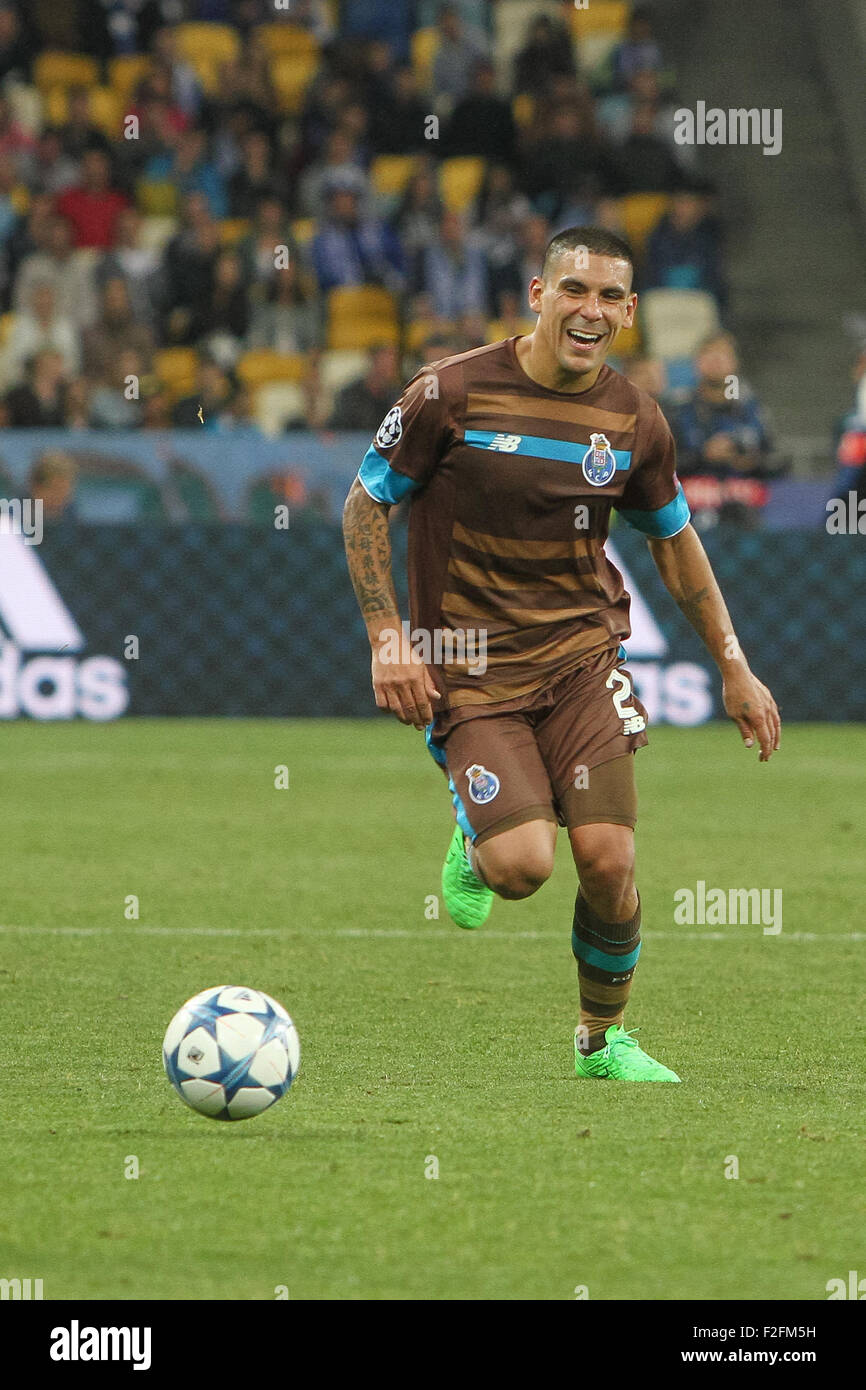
<point>483,785</point>
<point>390,429</point>
<point>599,461</point>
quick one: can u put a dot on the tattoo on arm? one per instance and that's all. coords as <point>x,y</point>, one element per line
<point>368,552</point>
<point>690,601</point>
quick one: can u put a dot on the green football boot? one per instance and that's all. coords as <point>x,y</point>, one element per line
<point>620,1060</point>
<point>467,899</point>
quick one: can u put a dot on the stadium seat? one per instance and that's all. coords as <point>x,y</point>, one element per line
<point>7,323</point>
<point>209,44</point>
<point>390,173</point>
<point>176,368</point>
<point>20,199</point>
<point>233,229</point>
<point>460,181</point>
<point>497,330</point>
<point>336,370</point>
<point>628,342</point>
<point>54,69</point>
<point>286,40</point>
<point>155,232</point>
<point>420,330</point>
<point>424,47</point>
<point>279,404</point>
<point>156,198</point>
<point>291,76</point>
<point>676,321</point>
<point>106,109</point>
<point>681,374</point>
<point>125,73</point>
<point>607,17</point>
<point>640,214</point>
<point>523,110</point>
<point>26,105</point>
<point>303,230</point>
<point>261,366</point>
<point>359,316</point>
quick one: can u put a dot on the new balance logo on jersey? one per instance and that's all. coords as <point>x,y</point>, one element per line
<point>36,627</point>
<point>505,443</point>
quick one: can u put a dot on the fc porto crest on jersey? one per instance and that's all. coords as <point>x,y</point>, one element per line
<point>483,785</point>
<point>599,462</point>
<point>390,429</point>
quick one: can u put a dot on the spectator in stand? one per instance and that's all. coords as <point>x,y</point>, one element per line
<point>213,394</point>
<point>720,430</point>
<point>76,404</point>
<point>645,163</point>
<point>221,322</point>
<point>37,326</point>
<point>648,374</point>
<point>417,219</point>
<point>258,249</point>
<point>94,205</point>
<point>52,171</point>
<point>288,321</point>
<point>185,89</point>
<point>398,119</point>
<point>78,132</point>
<point>363,404</point>
<point>256,178</point>
<point>115,403</point>
<point>38,402</point>
<point>684,249</point>
<point>481,122</point>
<point>547,53</point>
<point>58,265</point>
<point>189,264</point>
<point>8,183</point>
<point>567,166</point>
<point>639,52</point>
<point>114,330</point>
<point>17,47</point>
<point>500,215</point>
<point>349,249</point>
<point>191,170</point>
<point>451,274</point>
<point>52,482</point>
<point>137,265</point>
<point>16,143</point>
<point>340,168</point>
<point>460,49</point>
<point>29,234</point>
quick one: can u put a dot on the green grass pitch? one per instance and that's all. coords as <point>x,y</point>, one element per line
<point>420,1041</point>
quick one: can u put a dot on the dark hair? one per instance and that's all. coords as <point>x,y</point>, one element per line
<point>597,240</point>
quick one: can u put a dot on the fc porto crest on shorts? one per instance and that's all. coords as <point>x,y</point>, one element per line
<point>483,785</point>
<point>390,429</point>
<point>599,462</point>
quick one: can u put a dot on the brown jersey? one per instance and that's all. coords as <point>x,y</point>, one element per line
<point>511,489</point>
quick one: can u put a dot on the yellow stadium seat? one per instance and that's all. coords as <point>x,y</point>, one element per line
<point>125,73</point>
<point>232,229</point>
<point>364,301</point>
<point>280,40</point>
<point>215,43</point>
<point>391,173</point>
<point>460,181</point>
<point>20,199</point>
<point>523,109</point>
<point>303,230</point>
<point>176,368</point>
<point>156,198</point>
<point>56,103</point>
<point>628,343</point>
<point>640,214</point>
<point>362,333</point>
<point>497,330</point>
<point>262,365</point>
<point>7,323</point>
<point>420,330</point>
<point>106,111</point>
<point>425,46</point>
<point>601,17</point>
<point>291,75</point>
<point>54,69</point>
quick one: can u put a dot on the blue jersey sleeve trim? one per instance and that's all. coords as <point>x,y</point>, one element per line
<point>667,521</point>
<point>381,481</point>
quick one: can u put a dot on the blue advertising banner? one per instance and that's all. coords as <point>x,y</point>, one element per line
<point>103,621</point>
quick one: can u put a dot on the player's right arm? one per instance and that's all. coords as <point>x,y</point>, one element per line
<point>401,681</point>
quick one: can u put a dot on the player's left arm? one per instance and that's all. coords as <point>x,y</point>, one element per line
<point>688,576</point>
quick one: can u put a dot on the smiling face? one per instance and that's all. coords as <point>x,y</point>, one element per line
<point>583,302</point>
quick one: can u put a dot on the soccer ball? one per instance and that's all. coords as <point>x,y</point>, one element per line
<point>231,1052</point>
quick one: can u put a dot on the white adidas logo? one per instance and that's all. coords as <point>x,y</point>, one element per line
<point>34,619</point>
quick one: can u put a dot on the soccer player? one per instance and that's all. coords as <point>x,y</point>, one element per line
<point>513,455</point>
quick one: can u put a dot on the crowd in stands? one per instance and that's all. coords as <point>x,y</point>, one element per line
<point>268,216</point>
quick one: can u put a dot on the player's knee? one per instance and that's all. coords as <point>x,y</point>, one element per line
<point>606,870</point>
<point>518,876</point>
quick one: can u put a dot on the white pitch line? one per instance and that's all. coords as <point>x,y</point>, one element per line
<point>406,934</point>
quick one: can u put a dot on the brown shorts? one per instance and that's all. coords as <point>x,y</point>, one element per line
<point>564,755</point>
